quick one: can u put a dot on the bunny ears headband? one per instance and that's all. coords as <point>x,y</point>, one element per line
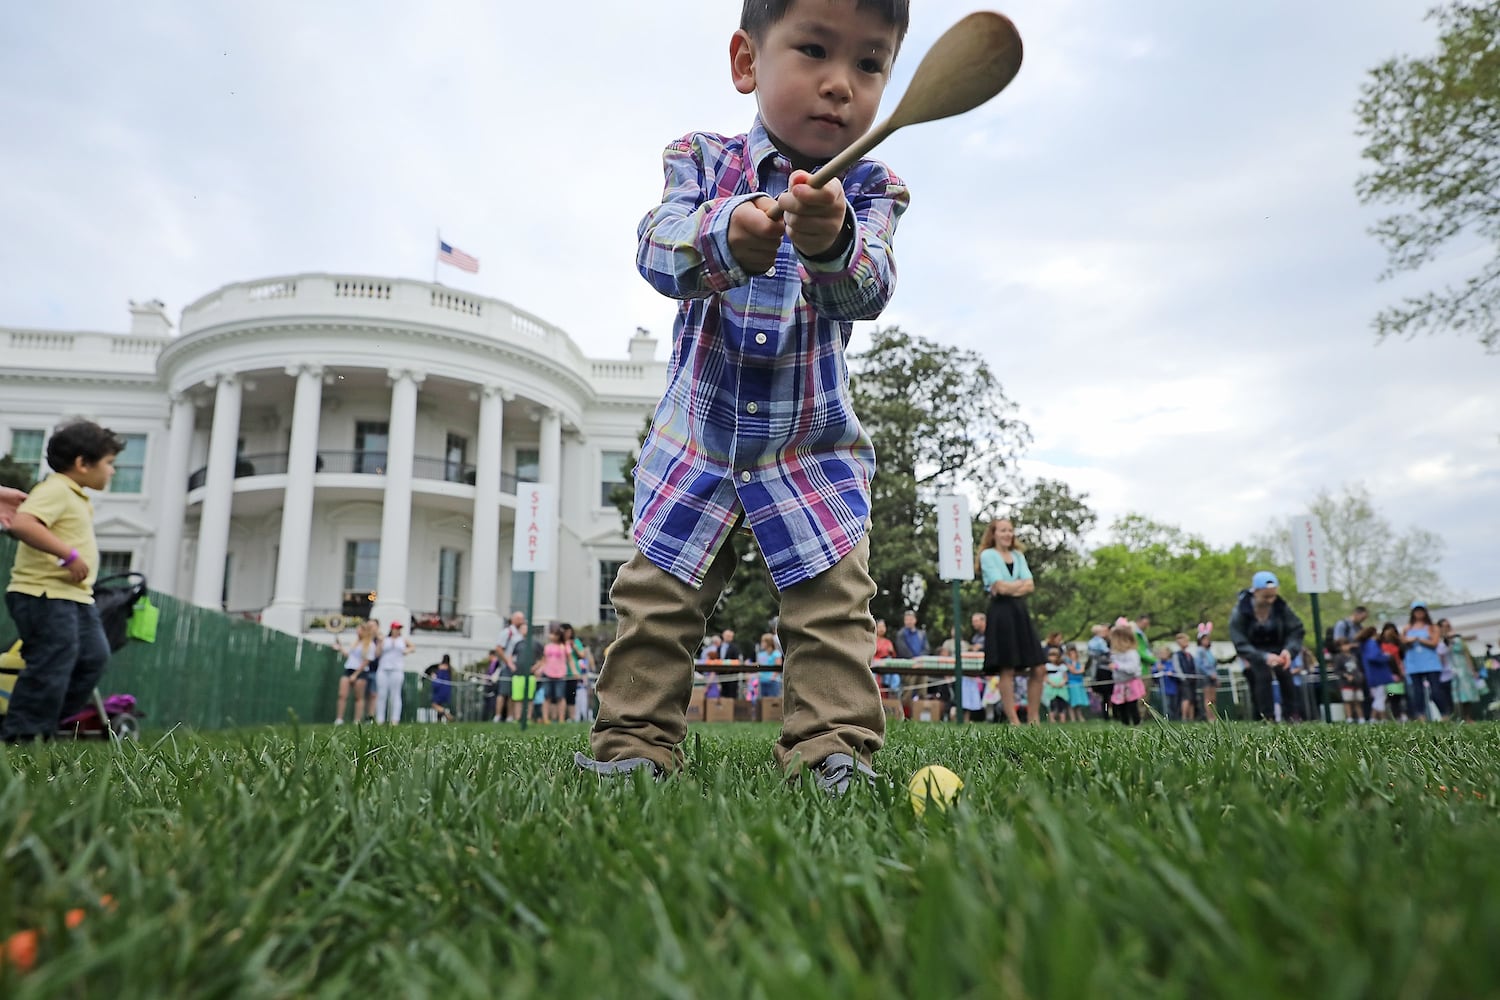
<point>1205,628</point>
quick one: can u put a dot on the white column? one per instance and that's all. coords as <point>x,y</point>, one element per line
<point>290,599</point>
<point>395,519</point>
<point>172,498</point>
<point>218,494</point>
<point>549,461</point>
<point>484,546</point>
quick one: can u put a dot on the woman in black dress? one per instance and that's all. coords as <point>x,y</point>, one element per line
<point>1010,641</point>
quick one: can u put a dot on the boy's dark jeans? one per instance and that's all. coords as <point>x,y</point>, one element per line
<point>65,651</point>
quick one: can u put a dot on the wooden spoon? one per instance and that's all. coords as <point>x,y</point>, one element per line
<point>970,63</point>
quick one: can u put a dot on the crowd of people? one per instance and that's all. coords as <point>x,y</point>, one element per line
<point>1422,670</point>
<point>1107,678</point>
<point>758,674</point>
<point>553,679</point>
<point>552,682</point>
<point>1121,674</point>
<point>1022,678</point>
<point>1416,671</point>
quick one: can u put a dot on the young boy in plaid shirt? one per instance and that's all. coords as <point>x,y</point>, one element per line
<point>756,427</point>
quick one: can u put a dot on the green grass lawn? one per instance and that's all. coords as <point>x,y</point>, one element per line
<point>1184,861</point>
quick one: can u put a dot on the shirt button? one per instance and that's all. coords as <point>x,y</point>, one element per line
<point>751,407</point>
<point>744,477</point>
<point>760,338</point>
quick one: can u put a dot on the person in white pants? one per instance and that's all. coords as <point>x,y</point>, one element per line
<point>392,673</point>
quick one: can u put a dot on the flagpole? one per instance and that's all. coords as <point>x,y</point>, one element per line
<point>435,251</point>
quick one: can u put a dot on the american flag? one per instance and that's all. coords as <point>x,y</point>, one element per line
<point>452,255</point>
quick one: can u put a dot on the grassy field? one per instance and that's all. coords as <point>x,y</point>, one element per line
<point>473,861</point>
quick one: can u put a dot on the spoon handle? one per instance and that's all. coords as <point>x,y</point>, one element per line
<point>844,160</point>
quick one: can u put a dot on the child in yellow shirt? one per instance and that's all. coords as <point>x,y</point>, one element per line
<point>51,592</point>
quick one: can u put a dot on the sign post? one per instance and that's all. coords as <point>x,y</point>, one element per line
<point>1308,549</point>
<point>956,563</point>
<point>531,553</point>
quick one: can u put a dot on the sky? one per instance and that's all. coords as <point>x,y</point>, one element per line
<point>1152,235</point>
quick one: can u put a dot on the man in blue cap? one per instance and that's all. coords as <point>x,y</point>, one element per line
<point>1267,634</point>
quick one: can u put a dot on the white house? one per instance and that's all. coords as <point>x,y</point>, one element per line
<point>323,445</point>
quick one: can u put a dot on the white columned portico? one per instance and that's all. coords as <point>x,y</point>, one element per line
<point>395,520</point>
<point>290,597</point>
<point>484,546</point>
<point>218,495</point>
<point>172,503</point>
<point>549,470</point>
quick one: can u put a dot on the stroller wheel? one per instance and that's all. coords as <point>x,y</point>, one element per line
<point>125,726</point>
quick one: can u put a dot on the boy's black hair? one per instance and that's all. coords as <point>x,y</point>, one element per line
<point>757,16</point>
<point>81,439</point>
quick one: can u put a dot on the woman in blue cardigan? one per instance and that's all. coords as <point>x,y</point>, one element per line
<point>1010,639</point>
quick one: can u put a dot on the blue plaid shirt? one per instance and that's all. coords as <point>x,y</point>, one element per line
<point>757,416</point>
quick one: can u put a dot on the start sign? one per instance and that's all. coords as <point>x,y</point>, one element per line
<point>955,538</point>
<point>1310,554</point>
<point>536,528</point>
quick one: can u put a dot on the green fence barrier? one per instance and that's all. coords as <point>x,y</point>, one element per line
<point>209,670</point>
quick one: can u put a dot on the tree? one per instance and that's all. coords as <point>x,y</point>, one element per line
<point>939,420</point>
<point>1158,569</point>
<point>15,475</point>
<point>1368,561</point>
<point>1432,129</point>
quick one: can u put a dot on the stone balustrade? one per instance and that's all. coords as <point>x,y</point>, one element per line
<point>52,350</point>
<point>339,298</point>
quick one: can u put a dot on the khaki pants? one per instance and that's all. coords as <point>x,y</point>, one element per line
<point>832,701</point>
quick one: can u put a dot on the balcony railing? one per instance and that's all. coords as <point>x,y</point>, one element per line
<point>444,469</point>
<point>359,463</point>
<point>329,620</point>
<point>334,620</point>
<point>321,299</point>
<point>245,465</point>
<point>431,621</point>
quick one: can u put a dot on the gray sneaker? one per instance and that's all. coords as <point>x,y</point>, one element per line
<point>837,770</point>
<point>616,768</point>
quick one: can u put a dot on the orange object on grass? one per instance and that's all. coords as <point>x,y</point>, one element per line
<point>20,947</point>
<point>20,950</point>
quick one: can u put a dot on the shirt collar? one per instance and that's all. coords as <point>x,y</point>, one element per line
<point>71,485</point>
<point>764,154</point>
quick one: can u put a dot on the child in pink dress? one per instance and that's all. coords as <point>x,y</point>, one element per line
<point>553,670</point>
<point>1125,661</point>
